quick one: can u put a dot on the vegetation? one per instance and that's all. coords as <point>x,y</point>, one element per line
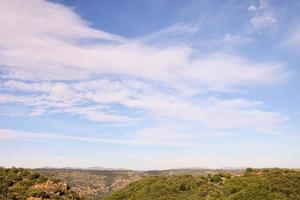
<point>21,184</point>
<point>187,184</point>
<point>95,184</point>
<point>266,184</point>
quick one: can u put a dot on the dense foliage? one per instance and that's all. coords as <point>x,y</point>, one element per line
<point>21,184</point>
<point>266,184</point>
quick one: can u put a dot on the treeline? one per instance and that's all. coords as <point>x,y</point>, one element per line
<point>21,184</point>
<point>254,184</point>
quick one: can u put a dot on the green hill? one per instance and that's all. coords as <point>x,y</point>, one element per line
<point>266,184</point>
<point>21,184</point>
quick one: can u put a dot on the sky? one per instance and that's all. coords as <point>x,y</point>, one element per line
<point>151,84</point>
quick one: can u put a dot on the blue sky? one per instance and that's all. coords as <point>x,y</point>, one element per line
<point>150,84</point>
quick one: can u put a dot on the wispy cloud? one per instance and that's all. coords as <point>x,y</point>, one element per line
<point>177,34</point>
<point>99,95</point>
<point>264,16</point>
<point>158,136</point>
<point>85,71</point>
<point>51,53</point>
<point>13,134</point>
<point>232,39</point>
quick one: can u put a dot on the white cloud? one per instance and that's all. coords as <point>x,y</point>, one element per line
<point>99,95</point>
<point>63,65</point>
<point>43,48</point>
<point>57,97</point>
<point>264,16</point>
<point>44,19</point>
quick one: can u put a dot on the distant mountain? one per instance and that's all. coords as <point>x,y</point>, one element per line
<point>84,168</point>
<point>103,168</point>
<point>234,168</point>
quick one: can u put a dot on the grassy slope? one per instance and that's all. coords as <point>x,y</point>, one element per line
<point>266,184</point>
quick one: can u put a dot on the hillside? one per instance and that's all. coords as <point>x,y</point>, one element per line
<point>266,184</point>
<point>190,184</point>
<point>21,184</point>
<point>94,184</point>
